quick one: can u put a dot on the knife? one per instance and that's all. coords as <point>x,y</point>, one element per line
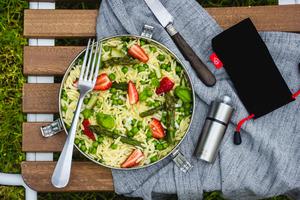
<point>166,20</point>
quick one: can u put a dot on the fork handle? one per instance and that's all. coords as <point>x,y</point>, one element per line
<point>62,171</point>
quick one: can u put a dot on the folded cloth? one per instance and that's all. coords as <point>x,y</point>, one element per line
<point>266,164</point>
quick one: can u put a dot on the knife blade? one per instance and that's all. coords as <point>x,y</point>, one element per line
<point>166,20</point>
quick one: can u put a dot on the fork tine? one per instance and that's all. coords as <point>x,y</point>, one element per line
<point>92,70</point>
<point>87,70</point>
<point>98,63</point>
<point>84,60</point>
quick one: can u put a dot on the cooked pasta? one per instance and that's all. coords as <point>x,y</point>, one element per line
<point>110,107</point>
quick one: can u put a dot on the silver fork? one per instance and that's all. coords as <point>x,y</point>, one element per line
<point>87,80</point>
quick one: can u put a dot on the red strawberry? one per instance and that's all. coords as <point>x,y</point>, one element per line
<point>132,93</point>
<point>137,52</point>
<point>75,83</point>
<point>133,160</point>
<point>165,85</point>
<point>87,131</point>
<point>103,82</point>
<point>157,129</point>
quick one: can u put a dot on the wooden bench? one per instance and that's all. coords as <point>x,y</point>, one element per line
<point>54,60</point>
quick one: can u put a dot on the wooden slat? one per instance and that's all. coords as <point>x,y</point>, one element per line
<point>85,176</point>
<point>40,98</point>
<point>48,60</point>
<point>33,141</point>
<point>59,23</point>
<point>82,23</point>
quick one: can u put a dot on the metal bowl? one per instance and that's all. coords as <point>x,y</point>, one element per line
<point>161,46</point>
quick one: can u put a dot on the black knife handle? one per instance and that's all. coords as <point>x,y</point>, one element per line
<point>201,69</point>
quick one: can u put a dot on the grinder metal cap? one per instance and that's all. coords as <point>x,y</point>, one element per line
<point>221,111</point>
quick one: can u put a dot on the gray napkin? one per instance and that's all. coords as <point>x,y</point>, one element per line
<point>265,164</point>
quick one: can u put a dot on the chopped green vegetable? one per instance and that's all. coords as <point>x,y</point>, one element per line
<point>102,131</point>
<point>120,86</point>
<point>154,159</point>
<point>95,144</point>
<point>125,60</point>
<point>91,102</point>
<point>83,148</point>
<point>135,130</point>
<point>112,76</point>
<point>114,146</point>
<point>120,102</point>
<point>106,48</point>
<point>86,101</point>
<point>183,93</point>
<point>141,68</point>
<point>142,42</point>
<point>149,134</point>
<point>117,53</point>
<point>159,146</point>
<point>154,82</point>
<point>140,124</point>
<point>124,70</point>
<point>100,139</point>
<point>87,113</point>
<point>178,69</point>
<point>168,69</point>
<point>161,57</point>
<point>106,121</point>
<point>113,90</point>
<point>152,75</point>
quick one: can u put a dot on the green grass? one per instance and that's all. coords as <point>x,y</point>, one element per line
<point>11,81</point>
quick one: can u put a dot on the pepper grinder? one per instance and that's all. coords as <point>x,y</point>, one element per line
<point>214,129</point>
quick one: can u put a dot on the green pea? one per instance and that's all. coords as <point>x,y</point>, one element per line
<point>146,66</point>
<point>77,141</point>
<point>163,120</point>
<point>113,90</point>
<point>153,49</point>
<point>114,97</point>
<point>114,146</point>
<point>165,145</point>
<point>152,75</point>
<point>180,117</point>
<point>120,102</point>
<point>135,66</point>
<point>154,82</point>
<point>115,102</point>
<point>150,103</point>
<point>159,146</point>
<point>168,69</point>
<point>149,93</point>
<point>112,76</point>
<point>133,122</point>
<point>83,148</point>
<point>82,142</point>
<point>164,114</point>
<point>64,95</point>
<point>153,159</point>
<point>94,150</point>
<point>156,104</point>
<point>86,100</point>
<point>163,66</point>
<point>149,134</point>
<point>95,144</point>
<point>100,140</point>
<point>187,106</point>
<point>187,113</point>
<point>161,57</point>
<point>141,68</point>
<point>140,124</point>
<point>124,70</point>
<point>178,69</point>
<point>135,130</point>
<point>143,96</point>
<point>115,131</point>
<point>142,42</point>
<point>155,142</point>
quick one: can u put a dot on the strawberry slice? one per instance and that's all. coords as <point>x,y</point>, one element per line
<point>137,52</point>
<point>165,85</point>
<point>103,82</point>
<point>132,93</point>
<point>87,131</point>
<point>75,83</point>
<point>157,129</point>
<point>133,160</point>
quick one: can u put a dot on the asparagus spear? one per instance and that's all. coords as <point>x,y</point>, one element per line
<point>170,118</point>
<point>101,131</point>
<point>120,86</point>
<point>152,111</point>
<point>126,60</point>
